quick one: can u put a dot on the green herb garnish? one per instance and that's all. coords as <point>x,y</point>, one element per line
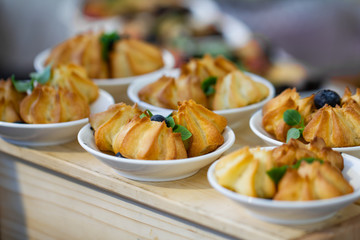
<point>146,113</point>
<point>308,160</point>
<point>170,122</point>
<point>294,133</point>
<point>185,134</point>
<point>107,41</point>
<point>41,77</point>
<point>293,118</point>
<point>28,85</point>
<point>22,85</point>
<point>276,173</point>
<point>208,85</point>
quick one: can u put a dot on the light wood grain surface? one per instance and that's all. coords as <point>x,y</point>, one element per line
<point>191,199</point>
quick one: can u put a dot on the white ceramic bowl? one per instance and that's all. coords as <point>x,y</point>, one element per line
<point>237,117</point>
<point>154,170</point>
<point>53,133</point>
<point>257,127</point>
<point>300,212</point>
<point>117,87</point>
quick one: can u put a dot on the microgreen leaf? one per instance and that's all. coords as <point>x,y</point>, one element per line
<point>210,91</point>
<point>41,77</point>
<point>293,133</point>
<point>302,124</point>
<point>107,41</point>
<point>170,122</point>
<point>308,160</point>
<point>292,117</point>
<point>28,85</point>
<point>276,173</point>
<point>185,134</point>
<point>208,85</point>
<point>22,85</point>
<point>148,112</point>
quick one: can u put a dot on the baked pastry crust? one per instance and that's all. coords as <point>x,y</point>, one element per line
<point>144,139</point>
<point>244,171</point>
<point>129,57</point>
<point>189,87</point>
<point>74,78</point>
<point>206,127</point>
<point>348,96</point>
<point>233,88</point>
<point>312,182</point>
<point>131,132</point>
<point>237,90</point>
<point>109,123</point>
<point>166,92</point>
<point>208,66</point>
<point>294,150</point>
<point>338,126</point>
<point>49,105</point>
<point>9,101</point>
<point>274,109</point>
<point>84,50</point>
<point>132,57</point>
<point>161,93</point>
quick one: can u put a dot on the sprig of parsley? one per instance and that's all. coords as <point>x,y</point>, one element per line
<point>293,118</point>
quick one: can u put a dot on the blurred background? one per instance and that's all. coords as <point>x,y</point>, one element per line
<point>307,44</point>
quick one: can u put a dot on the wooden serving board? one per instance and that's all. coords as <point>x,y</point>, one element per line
<point>192,199</point>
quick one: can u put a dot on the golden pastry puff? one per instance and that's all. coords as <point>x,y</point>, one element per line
<point>108,123</point>
<point>244,171</point>
<point>294,150</point>
<point>84,50</point>
<point>205,126</point>
<point>208,66</point>
<point>338,126</point>
<point>348,96</point>
<point>47,104</point>
<point>131,57</point>
<point>74,78</point>
<point>166,92</point>
<point>9,101</point>
<point>161,93</point>
<point>237,90</point>
<point>312,181</point>
<point>148,140</point>
<point>274,109</point>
